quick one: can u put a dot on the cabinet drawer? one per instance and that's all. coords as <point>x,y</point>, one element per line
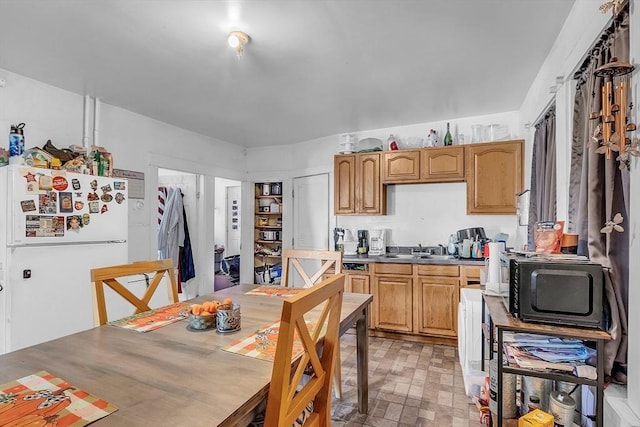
<point>406,269</point>
<point>437,270</point>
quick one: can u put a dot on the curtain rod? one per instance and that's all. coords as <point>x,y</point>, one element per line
<point>608,30</point>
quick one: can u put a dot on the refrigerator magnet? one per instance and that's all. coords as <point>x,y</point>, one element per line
<point>106,188</point>
<point>74,223</point>
<point>66,202</point>
<point>106,197</point>
<point>119,185</point>
<point>78,205</point>
<point>94,207</point>
<point>28,205</point>
<point>45,182</point>
<point>92,196</point>
<point>94,184</point>
<point>60,183</point>
<point>119,198</point>
<point>75,183</point>
<point>48,202</point>
<point>86,218</point>
<point>104,209</point>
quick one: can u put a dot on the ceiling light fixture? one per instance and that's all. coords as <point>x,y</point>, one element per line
<point>237,40</point>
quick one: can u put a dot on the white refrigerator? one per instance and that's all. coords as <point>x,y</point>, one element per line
<point>54,228</point>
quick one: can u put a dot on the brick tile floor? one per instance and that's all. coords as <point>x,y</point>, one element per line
<point>410,384</point>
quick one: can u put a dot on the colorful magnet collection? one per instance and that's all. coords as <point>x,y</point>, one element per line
<point>56,196</point>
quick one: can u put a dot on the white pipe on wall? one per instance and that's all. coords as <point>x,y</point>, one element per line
<point>85,123</point>
<point>96,121</point>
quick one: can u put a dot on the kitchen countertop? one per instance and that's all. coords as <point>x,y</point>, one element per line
<point>409,259</point>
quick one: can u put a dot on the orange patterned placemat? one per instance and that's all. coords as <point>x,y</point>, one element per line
<point>275,291</point>
<point>154,319</point>
<point>262,344</point>
<point>42,399</point>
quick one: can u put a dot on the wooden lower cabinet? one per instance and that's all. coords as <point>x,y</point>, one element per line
<point>470,276</point>
<point>436,305</point>
<point>392,297</point>
<point>357,283</point>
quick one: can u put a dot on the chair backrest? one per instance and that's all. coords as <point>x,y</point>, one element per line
<point>331,263</point>
<point>286,399</point>
<point>109,276</point>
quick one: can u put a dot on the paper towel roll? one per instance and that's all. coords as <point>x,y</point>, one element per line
<point>493,271</point>
<point>493,268</point>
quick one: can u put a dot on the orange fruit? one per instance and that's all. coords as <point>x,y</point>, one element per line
<point>227,301</point>
<point>196,309</point>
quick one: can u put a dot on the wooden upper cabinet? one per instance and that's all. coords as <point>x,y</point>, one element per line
<point>344,184</point>
<point>371,195</point>
<point>358,188</point>
<point>494,177</point>
<point>402,166</point>
<point>442,164</point>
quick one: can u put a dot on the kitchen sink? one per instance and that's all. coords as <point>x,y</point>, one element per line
<point>433,256</point>
<point>399,256</point>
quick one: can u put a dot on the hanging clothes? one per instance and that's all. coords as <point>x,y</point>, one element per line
<point>187,269</point>
<point>162,199</point>
<point>171,232</point>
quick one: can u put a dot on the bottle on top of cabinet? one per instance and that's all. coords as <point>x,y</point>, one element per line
<point>16,144</point>
<point>448,139</point>
<point>393,143</point>
<point>432,138</point>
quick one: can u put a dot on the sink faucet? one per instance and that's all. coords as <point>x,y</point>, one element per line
<point>419,247</point>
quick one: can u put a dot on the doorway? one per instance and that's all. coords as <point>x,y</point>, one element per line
<point>227,233</point>
<point>186,184</point>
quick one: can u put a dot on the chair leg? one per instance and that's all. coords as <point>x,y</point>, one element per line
<point>337,374</point>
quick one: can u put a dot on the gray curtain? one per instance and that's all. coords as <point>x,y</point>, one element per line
<point>542,200</point>
<point>598,189</point>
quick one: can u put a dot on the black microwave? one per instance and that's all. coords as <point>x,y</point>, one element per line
<point>557,292</point>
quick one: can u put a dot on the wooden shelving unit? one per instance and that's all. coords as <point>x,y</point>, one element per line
<point>267,230</point>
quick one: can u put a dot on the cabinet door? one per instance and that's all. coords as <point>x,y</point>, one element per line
<point>401,166</point>
<point>494,177</point>
<point>357,283</point>
<point>370,193</point>
<point>437,305</point>
<point>392,303</point>
<point>344,184</point>
<point>442,164</point>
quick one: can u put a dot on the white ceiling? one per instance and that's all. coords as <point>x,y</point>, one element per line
<point>313,68</point>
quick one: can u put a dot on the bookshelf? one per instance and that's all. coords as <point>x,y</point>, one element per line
<point>267,231</point>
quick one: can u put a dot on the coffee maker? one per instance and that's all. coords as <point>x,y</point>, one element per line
<point>363,242</point>
<point>378,246</point>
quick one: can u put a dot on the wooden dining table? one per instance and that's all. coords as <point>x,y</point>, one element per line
<point>172,376</point>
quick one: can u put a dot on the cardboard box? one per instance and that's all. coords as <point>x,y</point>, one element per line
<point>536,418</point>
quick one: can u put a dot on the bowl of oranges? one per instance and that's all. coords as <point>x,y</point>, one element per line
<point>203,316</point>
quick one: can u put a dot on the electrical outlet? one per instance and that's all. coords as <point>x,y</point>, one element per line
<point>26,274</point>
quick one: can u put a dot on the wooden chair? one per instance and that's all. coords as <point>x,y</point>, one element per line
<point>331,264</point>
<point>109,276</point>
<point>286,400</point>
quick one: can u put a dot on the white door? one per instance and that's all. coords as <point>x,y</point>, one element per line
<point>310,215</point>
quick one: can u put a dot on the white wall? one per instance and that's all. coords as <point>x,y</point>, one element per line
<point>137,143</point>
